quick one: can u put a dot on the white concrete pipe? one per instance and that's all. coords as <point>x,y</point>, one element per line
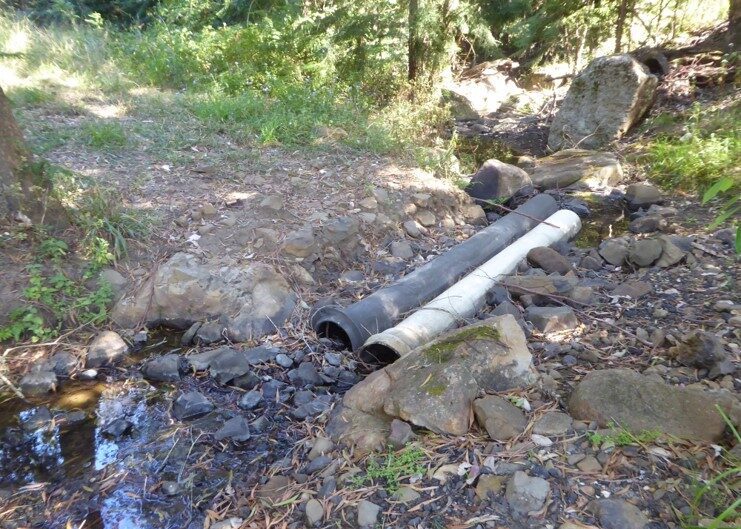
<point>466,297</point>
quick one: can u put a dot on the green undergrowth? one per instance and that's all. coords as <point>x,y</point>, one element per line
<point>622,437</point>
<point>265,83</point>
<point>63,289</point>
<point>715,501</point>
<point>54,299</point>
<point>701,154</point>
<point>388,470</point>
<point>706,148</point>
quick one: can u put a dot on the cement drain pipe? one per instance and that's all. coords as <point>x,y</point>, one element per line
<point>379,311</point>
<point>464,299</point>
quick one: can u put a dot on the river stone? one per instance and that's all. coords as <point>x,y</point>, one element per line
<point>237,429</point>
<point>341,230</point>
<point>405,494</point>
<point>412,228</point>
<point>644,252</point>
<point>107,348</point>
<point>368,513</point>
<point>474,214</point>
<point>632,289</point>
<point>274,490</point>
<point>589,169</point>
<point>367,432</point>
<point>300,243</point>
<point>261,354</point>
<point>249,300</point>
<point>496,181</point>
<point>539,287</point>
<point>549,260</point>
<point>321,446</point>
<point>614,251</point>
<point>501,419</point>
<point>62,364</point>
<point>553,424</point>
<point>202,361</point>
<point>703,350</point>
<point>618,514</point>
<point>525,493</point>
<point>115,280</point>
<point>552,319</point>
<point>642,195</point>
<point>250,400</point>
<point>209,332</point>
<point>400,435</point>
<point>603,102</point>
<point>489,485</point>
<point>671,254</point>
<point>646,224</point>
<point>164,368</point>
<point>641,403</point>
<point>426,218</point>
<point>314,512</point>
<point>228,365</point>
<point>434,385</point>
<point>190,405</point>
<point>401,250</point>
<point>38,383</point>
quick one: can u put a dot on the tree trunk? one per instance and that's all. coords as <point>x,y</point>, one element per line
<point>415,48</point>
<point>620,24</point>
<point>734,19</point>
<point>15,181</point>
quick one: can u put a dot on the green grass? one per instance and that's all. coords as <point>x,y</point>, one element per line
<point>237,81</point>
<point>709,149</point>
<point>716,500</point>
<point>391,468</point>
<point>23,96</point>
<point>104,135</point>
<point>622,437</point>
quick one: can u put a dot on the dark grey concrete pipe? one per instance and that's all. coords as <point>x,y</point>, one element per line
<point>353,325</point>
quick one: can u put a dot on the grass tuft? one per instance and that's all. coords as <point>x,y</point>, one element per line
<point>105,135</point>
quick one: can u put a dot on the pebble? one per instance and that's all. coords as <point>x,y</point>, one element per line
<point>283,360</point>
<point>236,429</point>
<point>250,400</point>
<point>368,513</point>
<point>553,424</point>
<point>525,493</point>
<point>322,446</point>
<point>318,464</point>
<point>589,464</point>
<point>314,512</point>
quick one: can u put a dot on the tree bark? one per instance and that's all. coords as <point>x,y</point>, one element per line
<point>734,19</point>
<point>15,180</point>
<point>414,51</point>
<point>620,24</point>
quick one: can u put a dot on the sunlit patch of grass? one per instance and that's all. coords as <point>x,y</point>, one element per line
<point>104,135</point>
<point>708,149</point>
<point>23,96</point>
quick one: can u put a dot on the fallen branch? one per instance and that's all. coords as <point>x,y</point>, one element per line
<point>508,210</point>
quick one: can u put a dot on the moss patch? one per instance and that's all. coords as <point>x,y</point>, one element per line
<point>442,351</point>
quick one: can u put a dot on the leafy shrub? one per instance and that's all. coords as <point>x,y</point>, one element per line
<point>710,149</point>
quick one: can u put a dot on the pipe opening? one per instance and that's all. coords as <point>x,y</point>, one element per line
<point>379,354</point>
<point>655,67</point>
<point>333,331</point>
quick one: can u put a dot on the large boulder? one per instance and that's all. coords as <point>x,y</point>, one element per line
<point>249,301</point>
<point>497,181</point>
<point>434,386</point>
<point>589,169</point>
<point>639,403</point>
<point>605,100</point>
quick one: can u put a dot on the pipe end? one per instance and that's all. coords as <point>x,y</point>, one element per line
<point>331,322</point>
